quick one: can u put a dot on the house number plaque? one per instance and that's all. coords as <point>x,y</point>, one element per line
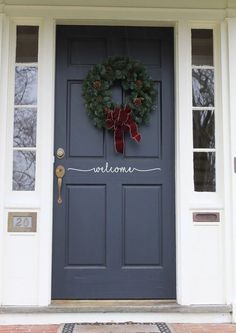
<point>22,222</point>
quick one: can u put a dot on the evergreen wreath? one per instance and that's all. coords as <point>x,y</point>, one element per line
<point>139,95</point>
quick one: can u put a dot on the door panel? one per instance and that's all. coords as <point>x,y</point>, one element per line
<point>114,233</point>
<point>86,226</point>
<point>83,139</point>
<point>144,246</point>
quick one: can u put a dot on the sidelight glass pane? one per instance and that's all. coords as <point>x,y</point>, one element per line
<point>204,172</point>
<point>27,44</point>
<point>25,121</point>
<point>24,170</point>
<point>204,129</point>
<point>26,79</point>
<point>203,87</point>
<point>202,47</point>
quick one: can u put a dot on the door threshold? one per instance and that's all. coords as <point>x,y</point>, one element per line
<point>132,306</point>
<point>115,305</point>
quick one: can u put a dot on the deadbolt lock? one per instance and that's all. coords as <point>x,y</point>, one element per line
<point>60,153</point>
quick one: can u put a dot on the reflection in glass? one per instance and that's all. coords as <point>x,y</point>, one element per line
<point>204,129</point>
<point>27,44</point>
<point>23,170</point>
<point>25,127</point>
<point>26,78</point>
<point>202,47</point>
<point>203,87</point>
<point>204,172</point>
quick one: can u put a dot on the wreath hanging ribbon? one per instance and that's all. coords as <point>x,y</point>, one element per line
<point>139,92</point>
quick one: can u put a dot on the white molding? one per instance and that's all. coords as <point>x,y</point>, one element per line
<point>191,4</point>
<point>225,117</point>
<point>183,149</point>
<point>3,116</point>
<point>112,15</point>
<point>232,147</point>
<point>46,157</point>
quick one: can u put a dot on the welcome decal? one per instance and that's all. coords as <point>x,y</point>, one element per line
<point>113,169</point>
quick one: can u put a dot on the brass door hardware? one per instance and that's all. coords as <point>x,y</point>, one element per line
<point>60,153</point>
<point>60,172</point>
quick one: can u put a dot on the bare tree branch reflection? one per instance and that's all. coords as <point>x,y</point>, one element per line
<point>203,87</point>
<point>24,163</point>
<point>26,85</point>
<point>25,127</point>
<point>204,129</point>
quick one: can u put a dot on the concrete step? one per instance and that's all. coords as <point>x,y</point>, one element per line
<point>137,311</point>
<point>121,306</point>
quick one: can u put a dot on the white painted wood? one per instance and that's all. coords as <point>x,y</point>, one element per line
<point>227,232</point>
<point>211,199</point>
<point>14,199</point>
<point>3,116</point>
<point>20,264</point>
<point>20,274</point>
<point>33,319</point>
<point>232,147</point>
<point>204,149</point>
<point>199,247</point>
<point>46,157</point>
<point>183,152</point>
<point>221,4</point>
<point>115,16</point>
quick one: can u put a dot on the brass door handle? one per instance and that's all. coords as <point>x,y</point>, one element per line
<point>60,172</point>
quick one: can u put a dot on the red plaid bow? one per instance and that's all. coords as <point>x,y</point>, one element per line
<point>120,121</point>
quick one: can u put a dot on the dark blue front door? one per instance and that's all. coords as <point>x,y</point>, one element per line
<point>113,233</point>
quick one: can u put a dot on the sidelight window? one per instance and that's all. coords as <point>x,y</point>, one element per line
<point>203,111</point>
<point>25,108</point>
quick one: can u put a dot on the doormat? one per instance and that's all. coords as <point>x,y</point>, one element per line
<point>115,328</point>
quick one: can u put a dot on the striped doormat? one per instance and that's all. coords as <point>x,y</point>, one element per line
<point>116,328</point>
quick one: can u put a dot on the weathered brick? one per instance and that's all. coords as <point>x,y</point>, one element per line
<point>28,329</point>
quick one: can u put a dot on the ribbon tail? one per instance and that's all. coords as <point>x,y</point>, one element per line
<point>119,140</point>
<point>133,130</point>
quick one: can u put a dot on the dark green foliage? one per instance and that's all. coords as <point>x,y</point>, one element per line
<point>138,88</point>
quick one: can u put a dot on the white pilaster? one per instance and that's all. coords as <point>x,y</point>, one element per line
<point>232,107</point>
<point>45,155</point>
<point>4,34</point>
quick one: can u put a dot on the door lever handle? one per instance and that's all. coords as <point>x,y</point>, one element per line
<point>60,172</point>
